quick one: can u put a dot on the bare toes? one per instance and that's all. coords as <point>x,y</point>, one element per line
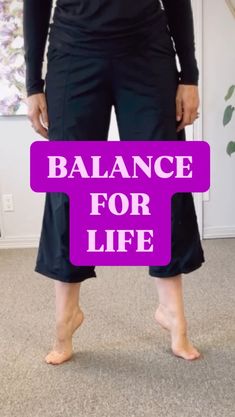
<point>186,354</point>
<point>56,358</point>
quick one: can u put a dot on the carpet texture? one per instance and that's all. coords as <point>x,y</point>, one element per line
<point>123,366</point>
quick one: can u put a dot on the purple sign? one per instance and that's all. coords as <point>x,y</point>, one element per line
<point>120,194</point>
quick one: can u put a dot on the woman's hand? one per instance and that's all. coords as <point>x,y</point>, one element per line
<point>37,113</point>
<point>187,103</point>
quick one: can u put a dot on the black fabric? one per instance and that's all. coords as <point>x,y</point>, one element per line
<point>36,16</point>
<point>80,93</point>
<point>105,27</point>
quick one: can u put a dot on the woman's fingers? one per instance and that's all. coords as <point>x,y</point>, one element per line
<point>185,120</point>
<point>44,115</point>
<point>189,116</point>
<point>37,113</point>
<point>179,109</point>
<point>188,96</point>
<point>37,125</point>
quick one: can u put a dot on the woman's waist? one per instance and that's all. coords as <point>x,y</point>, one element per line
<point>97,41</point>
<point>105,19</point>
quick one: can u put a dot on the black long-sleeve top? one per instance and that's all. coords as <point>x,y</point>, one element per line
<point>105,27</point>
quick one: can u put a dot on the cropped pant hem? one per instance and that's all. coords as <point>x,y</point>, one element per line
<point>41,270</point>
<point>173,274</point>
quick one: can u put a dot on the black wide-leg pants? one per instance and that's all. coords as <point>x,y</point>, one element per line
<point>80,93</point>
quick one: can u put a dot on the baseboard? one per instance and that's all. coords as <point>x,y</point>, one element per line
<point>218,232</point>
<point>19,242</point>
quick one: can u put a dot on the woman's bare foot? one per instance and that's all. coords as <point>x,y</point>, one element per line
<point>63,349</point>
<point>180,343</point>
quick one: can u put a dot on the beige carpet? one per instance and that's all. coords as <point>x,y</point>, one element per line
<point>123,365</point>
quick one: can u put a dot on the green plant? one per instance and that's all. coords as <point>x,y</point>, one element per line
<point>228,114</point>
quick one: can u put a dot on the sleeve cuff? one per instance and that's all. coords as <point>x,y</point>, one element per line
<point>189,74</point>
<point>34,87</point>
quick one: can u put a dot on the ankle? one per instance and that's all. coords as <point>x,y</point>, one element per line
<point>64,321</point>
<point>174,315</point>
<point>67,315</point>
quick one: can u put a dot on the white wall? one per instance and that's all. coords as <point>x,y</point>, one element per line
<point>218,75</point>
<point>20,227</point>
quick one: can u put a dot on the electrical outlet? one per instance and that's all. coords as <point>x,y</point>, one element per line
<point>7,202</point>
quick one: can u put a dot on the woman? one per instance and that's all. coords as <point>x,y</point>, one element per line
<point>122,53</point>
